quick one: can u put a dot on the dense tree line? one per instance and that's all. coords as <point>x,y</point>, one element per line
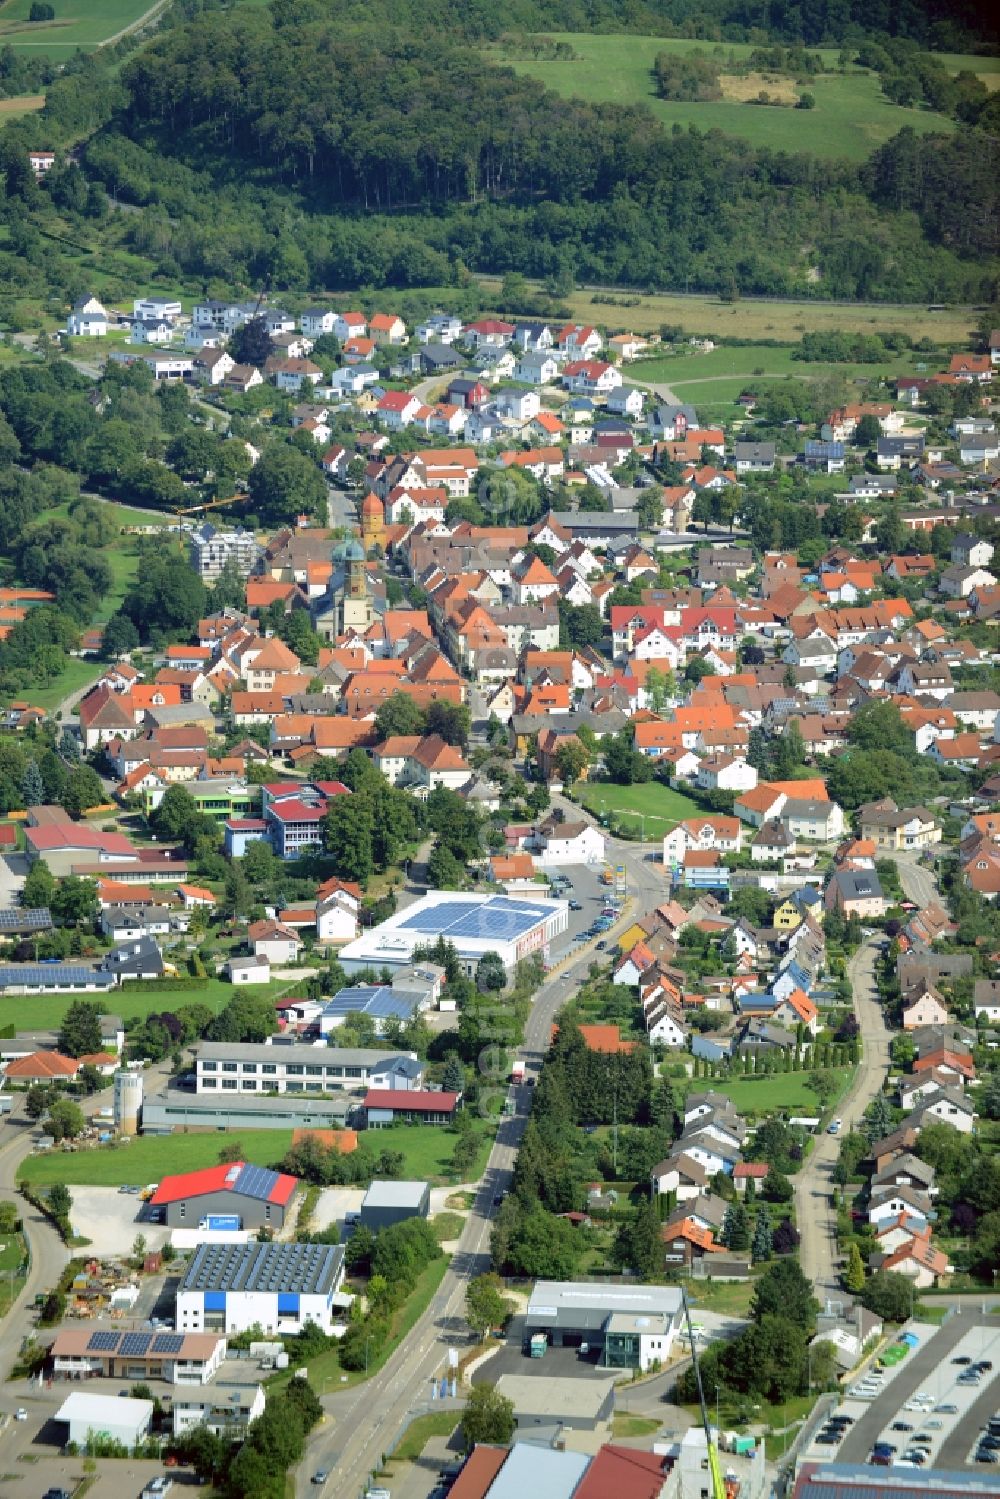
<point>416,158</point>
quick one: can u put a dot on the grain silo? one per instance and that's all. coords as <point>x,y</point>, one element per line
<point>128,1102</point>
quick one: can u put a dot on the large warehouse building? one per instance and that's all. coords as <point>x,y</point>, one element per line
<point>475,924</point>
<point>281,1287</point>
<point>251,1195</point>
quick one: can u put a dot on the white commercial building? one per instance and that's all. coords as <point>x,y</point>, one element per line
<point>258,1067</point>
<point>634,1326</point>
<point>112,1417</point>
<point>278,1287</point>
<point>474,924</point>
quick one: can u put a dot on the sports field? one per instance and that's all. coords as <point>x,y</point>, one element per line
<point>77,23</point>
<point>851,116</point>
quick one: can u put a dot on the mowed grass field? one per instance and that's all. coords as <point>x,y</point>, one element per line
<point>851,117</point>
<point>137,1000</point>
<point>147,1158</point>
<point>786,1091</point>
<point>661,806</point>
<point>78,23</point>
<point>755,360</point>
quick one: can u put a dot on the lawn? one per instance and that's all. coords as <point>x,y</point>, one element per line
<point>78,23</point>
<point>624,1425</point>
<point>76,674</point>
<point>756,317</point>
<point>851,116</point>
<point>13,1258</point>
<point>660,806</point>
<point>150,1157</point>
<point>730,1297</point>
<point>786,1091</point>
<point>427,1150</point>
<point>751,362</point>
<point>419,1433</point>
<point>136,1001</point>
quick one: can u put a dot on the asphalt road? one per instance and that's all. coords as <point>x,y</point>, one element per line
<point>368,1419</point>
<point>48,1253</point>
<point>916,879</point>
<point>814,1211</point>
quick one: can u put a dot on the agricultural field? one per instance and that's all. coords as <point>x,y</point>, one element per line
<point>660,806</point>
<point>783,319</point>
<point>21,104</point>
<point>78,23</point>
<point>851,117</point>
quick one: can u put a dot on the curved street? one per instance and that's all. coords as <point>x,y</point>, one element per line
<point>48,1254</point>
<point>814,1210</point>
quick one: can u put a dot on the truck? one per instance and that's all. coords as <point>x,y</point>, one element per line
<point>221,1222</point>
<point>517,1071</point>
<point>538,1345</point>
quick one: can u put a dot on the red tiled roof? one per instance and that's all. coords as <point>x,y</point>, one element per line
<point>622,1473</point>
<point>415,1100</point>
<point>43,1064</point>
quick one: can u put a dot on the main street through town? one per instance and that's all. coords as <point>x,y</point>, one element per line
<point>368,1419</point>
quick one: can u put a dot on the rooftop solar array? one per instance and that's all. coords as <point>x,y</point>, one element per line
<point>42,975</point>
<point>25,919</point>
<point>302,1268</point>
<point>498,917</point>
<point>135,1344</point>
<point>103,1342</point>
<point>168,1342</point>
<point>256,1181</point>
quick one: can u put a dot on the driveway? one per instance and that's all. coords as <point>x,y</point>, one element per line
<point>13,871</point>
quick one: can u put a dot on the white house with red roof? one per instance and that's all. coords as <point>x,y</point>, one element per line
<point>489,333</point>
<point>578,340</point>
<point>590,377</point>
<point>348,325</point>
<point>397,409</point>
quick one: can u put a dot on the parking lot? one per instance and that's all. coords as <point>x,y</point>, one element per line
<point>111,1220</point>
<point>922,1395</point>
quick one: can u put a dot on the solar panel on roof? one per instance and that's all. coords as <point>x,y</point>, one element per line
<point>135,1344</point>
<point>27,918</point>
<point>46,975</point>
<point>257,1182</point>
<point>167,1342</point>
<point>103,1342</point>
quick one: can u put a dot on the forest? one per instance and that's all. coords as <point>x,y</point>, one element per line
<point>288,147</point>
<point>307,155</point>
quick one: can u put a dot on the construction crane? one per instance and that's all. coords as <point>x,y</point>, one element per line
<point>197,509</point>
<point>719,1490</point>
